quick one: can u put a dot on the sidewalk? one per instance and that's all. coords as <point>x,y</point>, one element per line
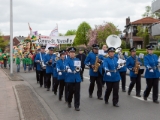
<point>8,104</point>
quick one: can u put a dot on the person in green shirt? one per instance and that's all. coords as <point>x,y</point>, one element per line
<point>24,63</point>
<point>4,56</point>
<point>9,61</point>
<point>18,61</point>
<point>1,61</point>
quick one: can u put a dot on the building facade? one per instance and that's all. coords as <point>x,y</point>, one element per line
<point>156,26</point>
<point>131,31</point>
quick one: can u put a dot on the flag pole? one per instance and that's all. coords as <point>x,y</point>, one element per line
<point>11,38</point>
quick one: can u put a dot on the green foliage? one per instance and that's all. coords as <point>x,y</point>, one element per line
<point>123,45</point>
<point>60,34</point>
<point>81,33</point>
<point>3,43</point>
<point>144,34</point>
<point>148,13</point>
<point>70,32</point>
<point>144,52</point>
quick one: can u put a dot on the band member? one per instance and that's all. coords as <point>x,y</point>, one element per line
<point>123,69</point>
<point>82,57</point>
<point>49,68</point>
<point>133,64</point>
<point>61,72</point>
<point>152,74</point>
<point>94,75</point>
<point>41,70</point>
<point>55,82</point>
<point>73,78</point>
<point>111,76</point>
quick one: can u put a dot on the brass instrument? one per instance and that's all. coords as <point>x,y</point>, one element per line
<point>106,55</point>
<point>78,68</point>
<point>137,66</point>
<point>96,65</point>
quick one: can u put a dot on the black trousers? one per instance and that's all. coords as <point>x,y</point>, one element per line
<point>74,88</point>
<point>115,87</point>
<point>37,76</point>
<point>99,85</point>
<point>123,80</point>
<point>41,76</point>
<point>137,81</point>
<point>48,80</point>
<point>152,83</point>
<point>5,63</point>
<point>61,88</point>
<point>56,84</point>
<point>66,91</point>
<point>81,73</point>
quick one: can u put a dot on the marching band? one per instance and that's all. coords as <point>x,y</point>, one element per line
<point>62,71</point>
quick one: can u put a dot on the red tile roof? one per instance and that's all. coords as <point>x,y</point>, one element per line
<point>146,20</point>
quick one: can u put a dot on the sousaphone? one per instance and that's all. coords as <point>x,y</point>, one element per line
<point>113,41</point>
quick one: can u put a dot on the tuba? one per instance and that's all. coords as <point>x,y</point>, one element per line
<point>113,41</point>
<point>78,68</point>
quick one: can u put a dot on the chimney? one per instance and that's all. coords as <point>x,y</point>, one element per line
<point>127,20</point>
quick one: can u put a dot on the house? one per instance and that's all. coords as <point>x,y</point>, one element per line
<point>131,31</point>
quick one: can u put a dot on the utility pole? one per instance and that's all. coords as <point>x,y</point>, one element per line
<point>11,38</point>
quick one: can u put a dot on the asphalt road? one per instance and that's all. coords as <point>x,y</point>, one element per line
<point>131,107</point>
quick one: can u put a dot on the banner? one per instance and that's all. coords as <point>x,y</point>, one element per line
<point>55,39</point>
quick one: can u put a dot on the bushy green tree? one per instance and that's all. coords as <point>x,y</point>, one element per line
<point>3,43</point>
<point>148,13</point>
<point>70,32</point>
<point>81,34</point>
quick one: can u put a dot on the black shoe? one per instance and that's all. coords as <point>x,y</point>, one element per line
<point>145,98</point>
<point>47,89</point>
<point>90,96</point>
<point>106,102</point>
<point>129,93</point>
<point>138,95</point>
<point>156,101</point>
<point>123,90</point>
<point>69,105</point>
<point>45,86</point>
<point>77,109</point>
<point>40,85</point>
<point>116,105</point>
<point>55,93</point>
<point>100,98</point>
<point>60,99</point>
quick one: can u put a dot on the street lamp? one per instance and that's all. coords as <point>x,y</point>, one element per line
<point>11,39</point>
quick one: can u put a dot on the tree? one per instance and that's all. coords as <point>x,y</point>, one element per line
<point>123,45</point>
<point>101,32</point>
<point>3,43</point>
<point>81,34</point>
<point>148,13</point>
<point>143,32</point>
<point>60,34</point>
<point>70,32</point>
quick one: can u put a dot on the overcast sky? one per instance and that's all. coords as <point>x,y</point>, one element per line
<point>68,14</point>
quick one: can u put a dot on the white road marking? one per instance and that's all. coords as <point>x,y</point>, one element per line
<point>140,98</point>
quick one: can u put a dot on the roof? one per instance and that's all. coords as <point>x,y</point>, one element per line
<point>6,37</point>
<point>20,38</point>
<point>146,20</point>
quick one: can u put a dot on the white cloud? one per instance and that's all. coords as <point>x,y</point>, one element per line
<point>44,14</point>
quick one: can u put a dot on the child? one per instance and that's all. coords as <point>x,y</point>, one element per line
<point>18,61</point>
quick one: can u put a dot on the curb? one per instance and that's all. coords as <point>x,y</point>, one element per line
<point>48,109</point>
<point>18,104</point>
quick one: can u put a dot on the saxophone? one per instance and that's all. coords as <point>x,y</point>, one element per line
<point>96,65</point>
<point>137,66</point>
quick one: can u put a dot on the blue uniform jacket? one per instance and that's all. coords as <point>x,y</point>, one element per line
<point>49,68</point>
<point>124,68</point>
<point>90,60</point>
<point>72,77</point>
<point>60,65</point>
<point>130,63</point>
<point>151,61</point>
<point>110,64</point>
<point>39,58</point>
